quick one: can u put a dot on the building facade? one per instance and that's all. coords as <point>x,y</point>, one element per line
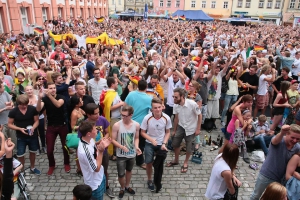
<point>16,15</point>
<point>291,12</point>
<point>265,10</point>
<point>167,6</point>
<point>214,8</point>
<point>116,6</point>
<point>138,5</point>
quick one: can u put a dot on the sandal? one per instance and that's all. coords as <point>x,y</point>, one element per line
<point>113,158</point>
<point>143,166</point>
<point>171,164</point>
<point>184,169</point>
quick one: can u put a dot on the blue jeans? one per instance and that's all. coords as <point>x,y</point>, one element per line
<point>263,141</point>
<point>229,99</point>
<point>149,152</point>
<point>261,184</point>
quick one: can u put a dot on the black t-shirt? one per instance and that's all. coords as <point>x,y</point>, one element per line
<point>277,82</point>
<point>251,79</point>
<point>185,52</point>
<point>55,116</point>
<point>23,121</point>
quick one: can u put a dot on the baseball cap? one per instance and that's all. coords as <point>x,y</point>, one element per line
<point>294,81</point>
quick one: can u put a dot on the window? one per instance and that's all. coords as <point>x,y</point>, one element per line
<point>44,14</point>
<point>292,4</point>
<point>1,27</point>
<point>299,4</point>
<point>277,4</point>
<point>71,12</point>
<point>161,3</point>
<point>169,3</point>
<point>225,5</point>
<point>261,3</point>
<point>269,4</point>
<point>177,3</point>
<point>81,12</point>
<point>95,12</point>
<point>113,2</point>
<point>142,11</point>
<point>89,12</point>
<point>213,4</point>
<point>24,16</point>
<point>240,3</point>
<point>59,12</point>
<point>203,4</point>
<point>248,3</point>
<point>193,4</point>
<point>120,3</point>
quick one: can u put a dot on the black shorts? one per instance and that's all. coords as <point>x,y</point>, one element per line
<point>278,111</point>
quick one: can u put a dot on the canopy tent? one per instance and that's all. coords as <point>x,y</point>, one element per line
<point>194,15</point>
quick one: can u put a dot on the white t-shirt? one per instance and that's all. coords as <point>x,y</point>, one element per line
<point>171,87</point>
<point>216,187</point>
<point>262,85</point>
<point>156,128</point>
<point>214,86</point>
<point>88,164</point>
<point>115,114</point>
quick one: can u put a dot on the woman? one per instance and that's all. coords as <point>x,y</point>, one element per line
<point>41,70</point>
<point>99,64</point>
<point>293,177</point>
<point>193,89</point>
<point>252,61</point>
<point>54,66</point>
<point>41,128</point>
<point>232,92</point>
<point>76,117</point>
<point>274,191</point>
<point>280,103</point>
<point>151,69</point>
<point>222,177</point>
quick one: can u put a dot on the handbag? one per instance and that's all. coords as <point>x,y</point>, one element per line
<point>234,196</point>
<point>72,140</point>
<point>238,137</point>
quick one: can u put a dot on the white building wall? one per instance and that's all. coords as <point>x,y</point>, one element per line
<point>28,1</point>
<point>60,1</point>
<point>45,1</point>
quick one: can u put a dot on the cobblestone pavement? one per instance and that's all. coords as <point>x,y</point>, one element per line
<point>190,186</point>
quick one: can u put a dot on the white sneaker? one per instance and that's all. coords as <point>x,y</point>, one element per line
<point>223,124</point>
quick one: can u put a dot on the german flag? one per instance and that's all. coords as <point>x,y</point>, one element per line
<point>182,17</point>
<point>38,30</point>
<point>100,19</point>
<point>214,27</point>
<point>258,47</point>
<point>175,18</point>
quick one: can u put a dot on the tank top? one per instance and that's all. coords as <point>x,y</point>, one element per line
<point>41,116</point>
<point>126,137</point>
<point>231,126</point>
<point>283,100</point>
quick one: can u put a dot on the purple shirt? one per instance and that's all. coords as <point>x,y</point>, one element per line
<point>101,124</point>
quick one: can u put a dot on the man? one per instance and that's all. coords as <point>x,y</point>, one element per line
<point>90,158</point>
<point>154,89</point>
<point>65,69</point>
<point>175,81</point>
<point>125,137</point>
<point>286,60</point>
<point>62,86</point>
<point>82,66</point>
<point>102,125</point>
<point>5,106</point>
<point>90,65</point>
<point>96,85</point>
<point>80,39</point>
<point>296,66</point>
<point>59,52</point>
<point>214,78</point>
<point>155,128</point>
<point>284,77</point>
<point>248,81</point>
<point>24,119</point>
<point>80,92</point>
<point>115,72</point>
<point>187,125</point>
<point>141,109</point>
<point>54,106</point>
<point>282,147</point>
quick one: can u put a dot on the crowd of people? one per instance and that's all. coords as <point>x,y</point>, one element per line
<point>123,94</point>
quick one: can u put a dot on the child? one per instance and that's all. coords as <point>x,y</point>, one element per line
<point>262,133</point>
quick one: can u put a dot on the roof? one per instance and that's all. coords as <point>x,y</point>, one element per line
<point>194,15</point>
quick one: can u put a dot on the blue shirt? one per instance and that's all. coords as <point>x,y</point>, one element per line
<point>141,103</point>
<point>89,69</point>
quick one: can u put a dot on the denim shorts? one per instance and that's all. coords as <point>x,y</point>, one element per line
<point>23,142</point>
<point>149,152</point>
<point>298,116</point>
<point>226,134</point>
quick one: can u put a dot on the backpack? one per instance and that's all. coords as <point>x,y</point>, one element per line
<point>208,124</point>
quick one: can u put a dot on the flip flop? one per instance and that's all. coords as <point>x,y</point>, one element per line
<point>184,169</point>
<point>171,164</point>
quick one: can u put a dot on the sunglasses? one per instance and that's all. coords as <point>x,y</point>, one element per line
<point>41,79</point>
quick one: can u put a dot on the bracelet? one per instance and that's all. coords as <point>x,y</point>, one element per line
<point>163,143</point>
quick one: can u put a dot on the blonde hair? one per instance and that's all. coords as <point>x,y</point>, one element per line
<point>262,118</point>
<point>295,128</point>
<point>48,76</point>
<point>32,77</point>
<point>264,69</point>
<point>76,72</point>
<point>274,191</point>
<point>196,85</point>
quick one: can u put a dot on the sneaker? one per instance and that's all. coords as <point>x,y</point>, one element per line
<point>130,190</point>
<point>121,194</point>
<point>35,171</point>
<point>67,168</point>
<point>151,186</point>
<point>223,124</point>
<point>44,150</point>
<point>50,171</point>
<point>110,193</point>
<point>38,152</point>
